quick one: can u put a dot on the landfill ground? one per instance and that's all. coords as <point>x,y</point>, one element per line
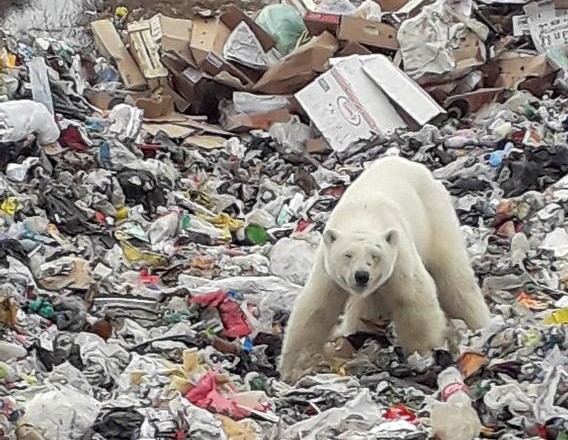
<point>165,186</point>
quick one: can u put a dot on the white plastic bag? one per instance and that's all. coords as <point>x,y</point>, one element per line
<point>369,10</point>
<point>291,135</point>
<point>62,413</point>
<point>19,119</point>
<point>292,259</point>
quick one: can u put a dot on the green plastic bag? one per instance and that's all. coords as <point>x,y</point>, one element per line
<point>284,23</point>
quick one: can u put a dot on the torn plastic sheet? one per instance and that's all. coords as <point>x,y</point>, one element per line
<point>427,41</point>
<point>61,412</point>
<point>360,413</point>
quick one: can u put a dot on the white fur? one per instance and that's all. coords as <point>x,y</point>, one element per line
<point>397,223</point>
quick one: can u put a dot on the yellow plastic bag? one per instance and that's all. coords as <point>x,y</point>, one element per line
<point>10,206</point>
<point>224,222</point>
<point>557,317</point>
<point>133,255</point>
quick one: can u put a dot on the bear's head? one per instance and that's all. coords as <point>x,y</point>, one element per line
<point>360,263</point>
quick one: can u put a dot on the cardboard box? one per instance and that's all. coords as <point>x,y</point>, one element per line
<point>174,36</point>
<point>320,23</point>
<point>208,40</point>
<point>188,82</point>
<point>208,37</point>
<point>362,97</point>
<point>367,32</point>
<point>146,51</point>
<point>110,45</point>
<point>155,105</point>
<point>347,106</point>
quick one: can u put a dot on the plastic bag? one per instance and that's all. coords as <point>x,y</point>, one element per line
<point>39,79</point>
<point>70,417</point>
<point>292,259</point>
<point>251,104</point>
<point>126,121</point>
<point>336,7</point>
<point>284,23</point>
<point>291,135</point>
<point>19,119</point>
<point>369,10</point>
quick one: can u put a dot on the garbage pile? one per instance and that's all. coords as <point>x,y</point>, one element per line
<point>163,193</point>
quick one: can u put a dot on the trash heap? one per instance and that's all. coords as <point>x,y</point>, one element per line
<point>163,193</point>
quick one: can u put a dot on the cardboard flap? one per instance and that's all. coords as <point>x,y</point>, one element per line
<point>401,90</point>
<point>233,16</point>
<point>174,35</point>
<point>299,67</point>
<point>208,36</point>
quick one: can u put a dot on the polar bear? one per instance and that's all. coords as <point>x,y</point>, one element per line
<point>392,249</point>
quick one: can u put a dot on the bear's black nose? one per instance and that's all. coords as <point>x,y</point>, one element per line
<point>361,277</point>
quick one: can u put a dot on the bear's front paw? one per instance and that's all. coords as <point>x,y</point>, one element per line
<point>294,366</point>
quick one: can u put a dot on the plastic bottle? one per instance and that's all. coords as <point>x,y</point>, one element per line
<point>454,418</point>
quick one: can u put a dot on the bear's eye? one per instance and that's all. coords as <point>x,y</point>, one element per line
<point>376,258</point>
<point>348,256</point>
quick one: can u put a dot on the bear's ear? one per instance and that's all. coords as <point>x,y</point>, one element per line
<point>330,236</point>
<point>391,236</point>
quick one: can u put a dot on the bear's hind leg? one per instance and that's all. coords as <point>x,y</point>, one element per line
<point>458,292</point>
<point>449,264</point>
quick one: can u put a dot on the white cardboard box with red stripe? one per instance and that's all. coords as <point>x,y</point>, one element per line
<point>364,96</point>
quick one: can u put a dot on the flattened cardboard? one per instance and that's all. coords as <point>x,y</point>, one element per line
<point>348,48</point>
<point>110,45</point>
<point>401,90</point>
<point>172,130</point>
<point>154,106</point>
<point>298,68</point>
<point>391,5</point>
<point>510,72</point>
<point>466,103</point>
<point>347,106</point>
<point>206,142</point>
<point>243,122</point>
<point>102,100</point>
<point>367,32</point>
